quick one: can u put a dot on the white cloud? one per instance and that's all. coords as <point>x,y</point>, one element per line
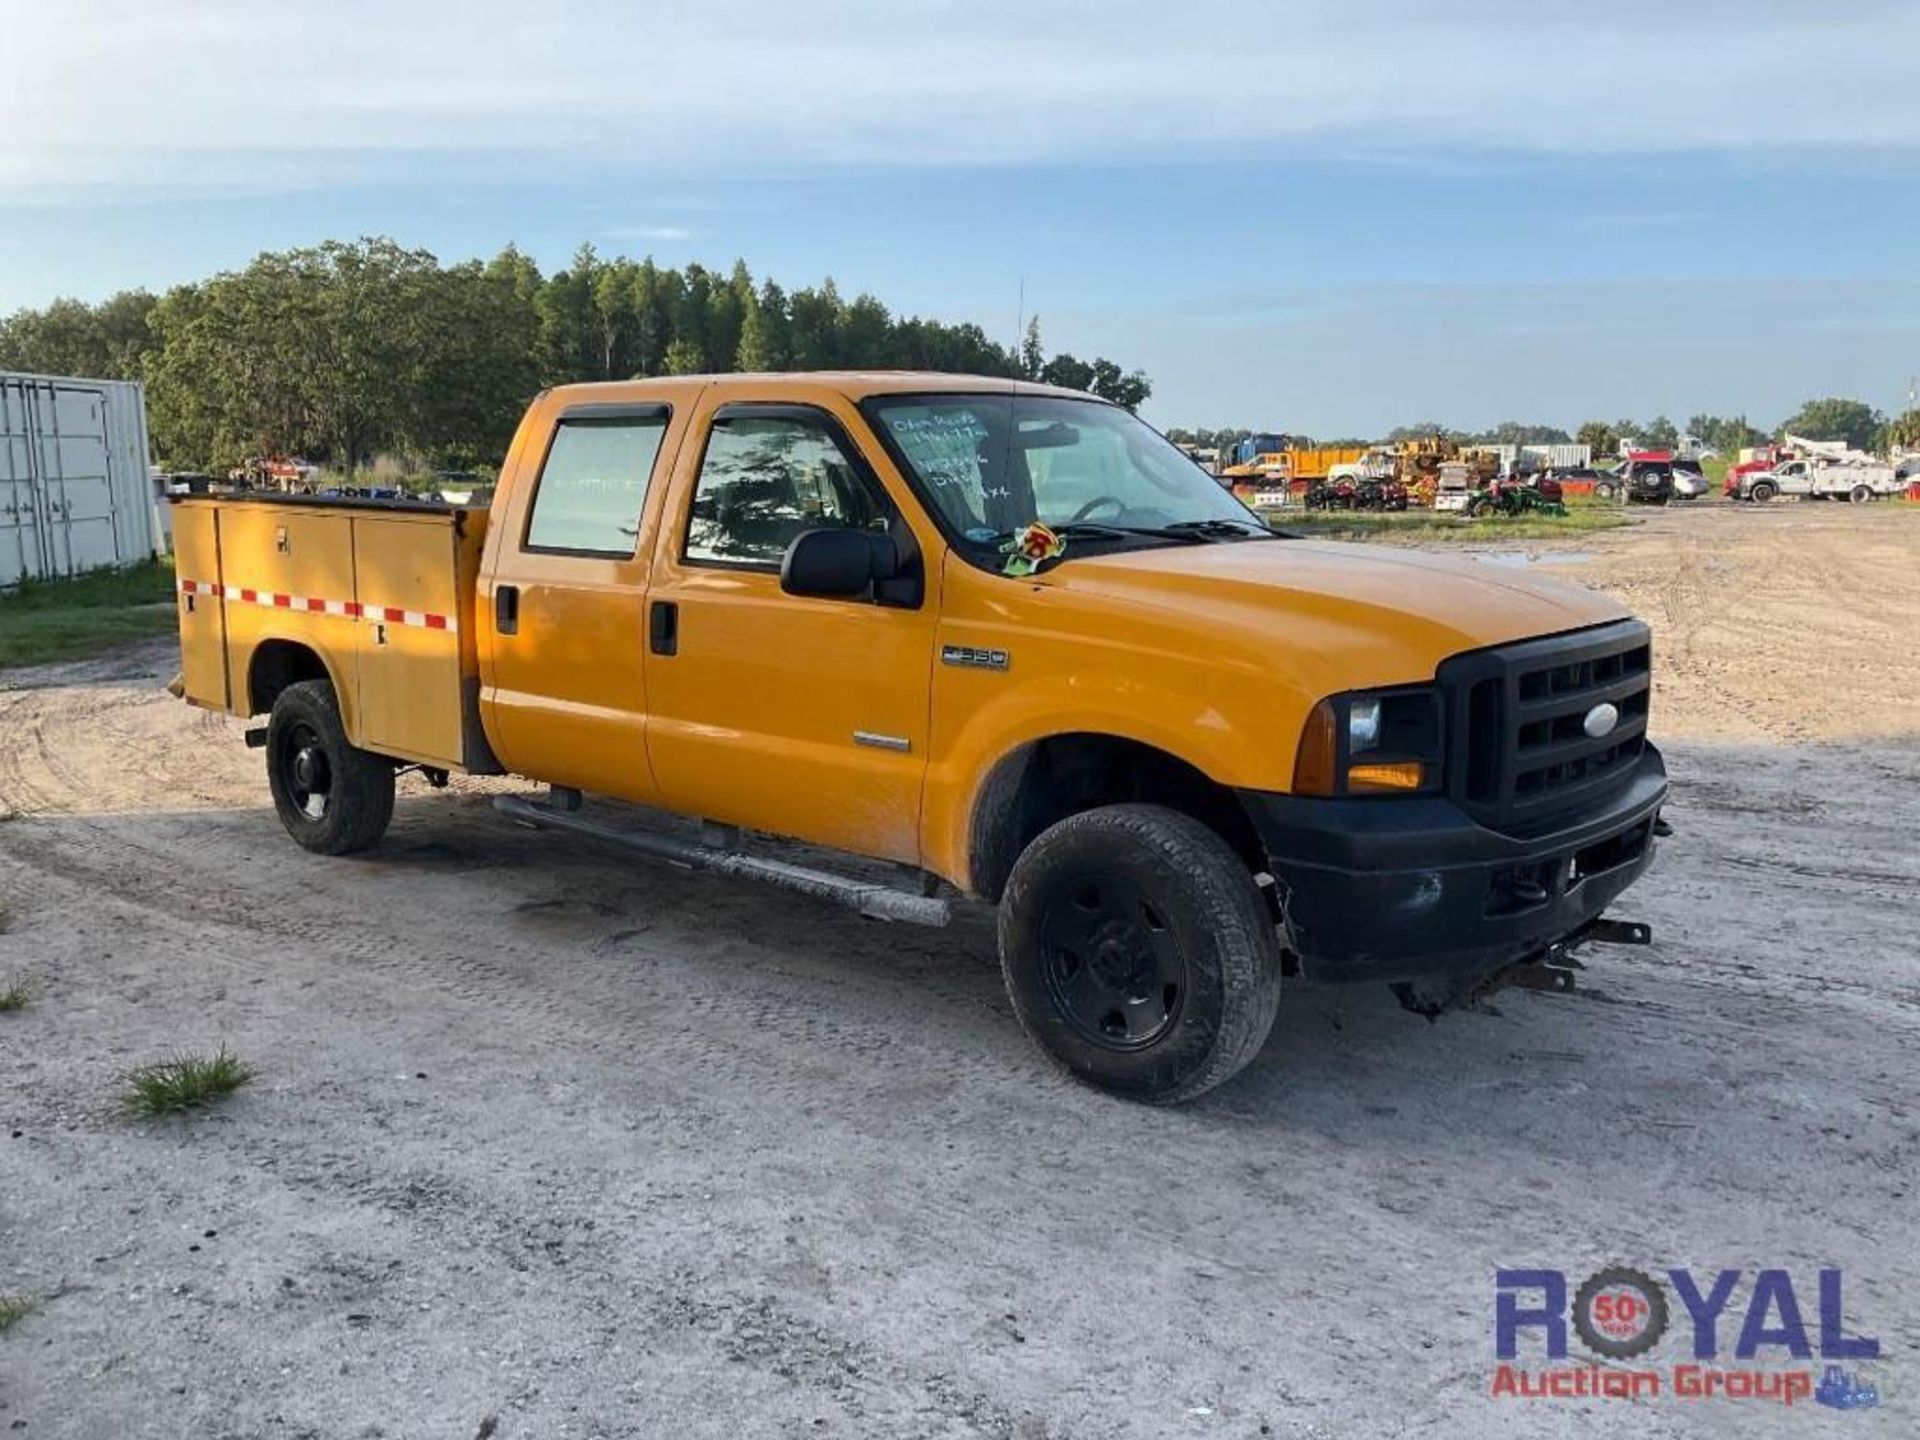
<point>235,94</point>
<point>649,232</point>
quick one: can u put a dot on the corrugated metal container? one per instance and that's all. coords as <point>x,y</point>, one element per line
<point>75,486</point>
<point>1560,457</point>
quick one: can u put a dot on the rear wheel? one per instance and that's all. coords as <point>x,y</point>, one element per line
<point>1861,495</point>
<point>1139,953</point>
<point>333,799</point>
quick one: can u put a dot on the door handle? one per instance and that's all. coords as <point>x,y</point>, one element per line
<point>506,609</point>
<point>663,628</point>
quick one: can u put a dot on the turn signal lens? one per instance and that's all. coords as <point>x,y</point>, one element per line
<point>1394,775</point>
<point>1316,764</point>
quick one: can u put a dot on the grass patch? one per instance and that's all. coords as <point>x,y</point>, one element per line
<point>186,1082</point>
<point>1422,525</point>
<point>14,997</point>
<point>15,1308</point>
<point>48,620</point>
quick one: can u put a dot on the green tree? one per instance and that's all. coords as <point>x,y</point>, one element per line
<point>1068,371</point>
<point>338,351</point>
<point>753,354</point>
<point>1853,421</point>
<point>1032,358</point>
<point>1599,437</point>
<point>1903,432</point>
<point>69,337</point>
<point>685,357</point>
<point>1660,433</point>
<point>814,327</point>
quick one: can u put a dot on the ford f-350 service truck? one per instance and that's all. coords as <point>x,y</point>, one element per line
<point>1003,638</point>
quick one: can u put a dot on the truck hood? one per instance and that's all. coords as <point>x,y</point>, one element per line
<point>1376,615</point>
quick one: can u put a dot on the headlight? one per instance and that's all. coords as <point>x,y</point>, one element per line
<point>1371,743</point>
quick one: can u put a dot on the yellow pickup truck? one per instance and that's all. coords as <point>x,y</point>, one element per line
<point>1002,639</point>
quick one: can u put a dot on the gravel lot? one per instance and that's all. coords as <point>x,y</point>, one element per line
<point>552,1142</point>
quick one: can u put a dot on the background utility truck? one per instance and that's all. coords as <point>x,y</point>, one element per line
<point>1004,640</point>
<point>1817,478</point>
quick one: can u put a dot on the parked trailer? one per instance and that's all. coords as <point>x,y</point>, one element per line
<point>75,491</point>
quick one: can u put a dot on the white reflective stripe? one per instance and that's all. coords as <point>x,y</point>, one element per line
<point>309,605</point>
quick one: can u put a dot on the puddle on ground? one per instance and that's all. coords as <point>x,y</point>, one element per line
<point>1521,557</point>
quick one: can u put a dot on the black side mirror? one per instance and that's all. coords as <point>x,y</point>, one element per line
<point>838,564</point>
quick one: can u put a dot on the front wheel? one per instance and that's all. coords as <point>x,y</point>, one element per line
<point>333,799</point>
<point>1603,490</point>
<point>1762,491</point>
<point>1139,952</point>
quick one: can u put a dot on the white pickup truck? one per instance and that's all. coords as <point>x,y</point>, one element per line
<point>1815,478</point>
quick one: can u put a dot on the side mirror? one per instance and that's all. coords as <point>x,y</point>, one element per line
<point>838,564</point>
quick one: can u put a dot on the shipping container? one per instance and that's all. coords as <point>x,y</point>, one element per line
<point>76,491</point>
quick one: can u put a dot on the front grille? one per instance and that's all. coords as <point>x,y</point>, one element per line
<point>1519,740</point>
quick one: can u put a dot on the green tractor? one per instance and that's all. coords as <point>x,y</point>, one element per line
<point>1512,497</point>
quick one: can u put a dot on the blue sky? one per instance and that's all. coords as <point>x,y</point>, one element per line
<point>1323,217</point>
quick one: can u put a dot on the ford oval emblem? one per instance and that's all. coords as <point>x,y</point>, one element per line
<point>1600,720</point>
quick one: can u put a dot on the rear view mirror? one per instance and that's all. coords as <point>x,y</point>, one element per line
<point>838,564</point>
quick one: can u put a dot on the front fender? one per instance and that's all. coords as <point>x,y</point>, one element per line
<point>1234,721</point>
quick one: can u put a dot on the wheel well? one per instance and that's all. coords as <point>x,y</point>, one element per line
<point>277,664</point>
<point>1043,783</point>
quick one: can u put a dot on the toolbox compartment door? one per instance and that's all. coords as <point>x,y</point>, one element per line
<point>408,583</point>
<point>203,626</point>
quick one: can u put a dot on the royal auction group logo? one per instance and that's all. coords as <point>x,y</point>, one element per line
<point>1620,1314</point>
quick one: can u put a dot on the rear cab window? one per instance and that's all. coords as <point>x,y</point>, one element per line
<point>593,484</point>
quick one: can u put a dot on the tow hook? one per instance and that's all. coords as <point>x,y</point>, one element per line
<point>1552,969</point>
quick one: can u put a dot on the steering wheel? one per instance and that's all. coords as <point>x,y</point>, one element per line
<point>1094,504</point>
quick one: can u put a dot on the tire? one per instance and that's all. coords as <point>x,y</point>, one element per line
<point>332,798</point>
<point>1139,953</point>
<point>1861,495</point>
<point>1482,510</point>
<point>1603,490</point>
<point>1762,490</point>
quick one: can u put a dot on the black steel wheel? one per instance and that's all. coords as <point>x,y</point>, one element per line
<point>332,798</point>
<point>1139,953</point>
<point>1113,966</point>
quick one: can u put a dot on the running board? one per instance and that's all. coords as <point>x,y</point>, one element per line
<point>877,902</point>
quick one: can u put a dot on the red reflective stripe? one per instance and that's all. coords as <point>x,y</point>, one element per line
<point>313,605</point>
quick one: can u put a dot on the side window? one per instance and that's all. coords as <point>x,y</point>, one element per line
<point>591,489</point>
<point>763,481</point>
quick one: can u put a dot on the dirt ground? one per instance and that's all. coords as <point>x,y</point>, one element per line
<point>550,1142</point>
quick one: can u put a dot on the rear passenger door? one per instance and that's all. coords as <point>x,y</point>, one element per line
<point>562,612</point>
<point>795,715</point>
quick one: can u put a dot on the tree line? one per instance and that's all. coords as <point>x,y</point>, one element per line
<point>1833,418</point>
<point>343,351</point>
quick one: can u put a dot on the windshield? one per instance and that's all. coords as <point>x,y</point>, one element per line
<point>992,463</point>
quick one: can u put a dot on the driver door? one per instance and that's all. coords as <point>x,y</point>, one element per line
<point>793,715</point>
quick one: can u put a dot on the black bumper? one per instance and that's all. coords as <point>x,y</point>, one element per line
<point>1398,889</point>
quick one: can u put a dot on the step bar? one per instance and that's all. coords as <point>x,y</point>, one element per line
<point>716,852</point>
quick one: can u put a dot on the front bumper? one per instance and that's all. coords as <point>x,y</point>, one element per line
<point>1400,889</point>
